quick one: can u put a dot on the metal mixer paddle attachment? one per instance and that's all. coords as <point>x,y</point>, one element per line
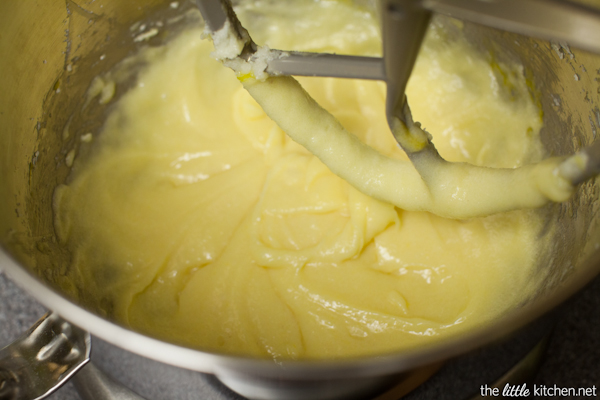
<point>404,24</point>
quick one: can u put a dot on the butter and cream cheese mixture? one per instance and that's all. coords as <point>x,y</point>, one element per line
<point>194,218</point>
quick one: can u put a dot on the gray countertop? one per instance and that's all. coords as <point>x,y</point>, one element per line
<point>572,360</point>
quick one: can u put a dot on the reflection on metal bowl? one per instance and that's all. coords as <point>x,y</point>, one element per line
<point>51,52</point>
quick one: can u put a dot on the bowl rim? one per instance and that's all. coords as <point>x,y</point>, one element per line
<point>366,366</point>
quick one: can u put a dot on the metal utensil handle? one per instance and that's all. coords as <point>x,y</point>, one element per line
<point>93,384</point>
<point>560,20</point>
<point>51,352</point>
<point>43,359</point>
<point>327,65</point>
<point>404,24</point>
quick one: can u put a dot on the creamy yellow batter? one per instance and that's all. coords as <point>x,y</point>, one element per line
<point>195,219</point>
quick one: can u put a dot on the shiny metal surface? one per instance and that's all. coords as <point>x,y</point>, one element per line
<point>570,362</point>
<point>525,370</point>
<point>216,12</point>
<point>46,77</point>
<point>93,384</point>
<point>590,157</point>
<point>323,64</point>
<point>559,20</point>
<point>213,12</point>
<point>404,24</point>
<point>53,351</point>
<point>43,359</point>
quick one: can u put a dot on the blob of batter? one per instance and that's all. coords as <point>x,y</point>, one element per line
<point>195,219</point>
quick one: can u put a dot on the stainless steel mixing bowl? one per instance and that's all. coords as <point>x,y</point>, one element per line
<point>50,52</point>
